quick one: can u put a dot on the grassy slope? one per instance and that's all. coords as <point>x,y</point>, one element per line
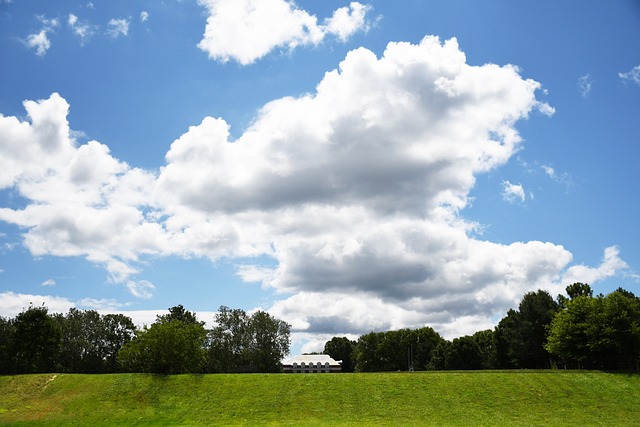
<point>451,398</point>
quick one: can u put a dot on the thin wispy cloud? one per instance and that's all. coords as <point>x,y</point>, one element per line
<point>513,192</point>
<point>140,288</point>
<point>632,76</point>
<point>40,41</point>
<point>100,304</point>
<point>82,29</point>
<point>563,178</point>
<point>118,27</point>
<point>585,84</point>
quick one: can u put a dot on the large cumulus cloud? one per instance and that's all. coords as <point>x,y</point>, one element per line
<point>357,191</point>
<point>81,200</point>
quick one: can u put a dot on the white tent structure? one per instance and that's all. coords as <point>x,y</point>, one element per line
<point>311,363</point>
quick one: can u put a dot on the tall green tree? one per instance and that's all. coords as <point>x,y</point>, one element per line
<point>118,330</point>
<point>537,309</point>
<point>477,351</point>
<point>508,340</point>
<point>438,360</point>
<point>598,332</point>
<point>180,314</point>
<point>579,289</point>
<point>463,354</point>
<point>168,346</point>
<point>522,334</point>
<point>367,353</point>
<point>36,341</point>
<point>486,341</point>
<point>7,331</point>
<point>423,343</point>
<point>229,341</point>
<point>81,349</point>
<point>574,290</point>
<point>247,343</point>
<point>571,332</point>
<point>341,348</point>
<point>270,341</point>
<point>90,341</point>
<point>396,350</point>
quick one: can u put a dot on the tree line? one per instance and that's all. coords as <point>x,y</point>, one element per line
<point>576,331</point>
<point>88,342</point>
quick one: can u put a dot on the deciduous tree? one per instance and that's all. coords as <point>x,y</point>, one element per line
<point>598,332</point>
<point>247,343</point>
<point>171,345</point>
<point>396,350</point>
<point>36,341</point>
<point>81,350</point>
<point>7,331</point>
<point>341,348</point>
<point>118,330</point>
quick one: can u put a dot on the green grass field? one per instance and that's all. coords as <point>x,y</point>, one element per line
<point>431,398</point>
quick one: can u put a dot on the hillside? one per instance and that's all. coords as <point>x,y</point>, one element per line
<point>434,398</point>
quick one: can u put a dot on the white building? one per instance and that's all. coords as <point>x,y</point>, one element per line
<point>311,363</point>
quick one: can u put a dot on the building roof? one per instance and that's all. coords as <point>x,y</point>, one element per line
<point>311,358</point>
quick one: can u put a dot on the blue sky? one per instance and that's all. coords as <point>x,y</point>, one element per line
<point>348,167</point>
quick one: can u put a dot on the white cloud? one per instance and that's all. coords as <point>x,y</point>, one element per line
<point>610,266</point>
<point>99,304</point>
<point>585,84</point>
<point>255,273</point>
<point>563,178</point>
<point>632,76</point>
<point>247,30</point>
<point>549,171</point>
<point>40,42</point>
<point>346,21</point>
<point>118,27</point>
<point>49,282</point>
<point>512,192</point>
<point>355,191</point>
<point>48,24</point>
<point>81,195</point>
<point>83,30</point>
<point>141,289</point>
<point>144,16</point>
<point>546,109</point>
<point>12,304</point>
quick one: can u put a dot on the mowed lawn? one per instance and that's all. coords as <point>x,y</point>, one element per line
<point>429,398</point>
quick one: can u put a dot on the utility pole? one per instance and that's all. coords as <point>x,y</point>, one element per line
<point>410,357</point>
